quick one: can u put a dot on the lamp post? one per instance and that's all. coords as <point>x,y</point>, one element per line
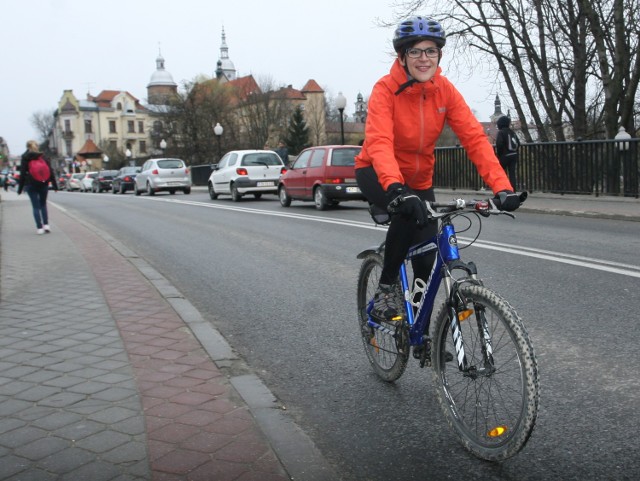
<point>341,103</point>
<point>163,145</point>
<point>105,159</point>
<point>127,154</point>
<point>622,138</point>
<point>218,130</point>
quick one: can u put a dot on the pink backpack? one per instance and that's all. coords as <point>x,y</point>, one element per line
<point>39,170</point>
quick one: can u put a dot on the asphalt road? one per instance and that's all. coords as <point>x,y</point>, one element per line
<point>280,285</point>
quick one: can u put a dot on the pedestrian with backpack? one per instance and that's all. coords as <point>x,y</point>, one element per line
<point>35,175</point>
<point>507,145</point>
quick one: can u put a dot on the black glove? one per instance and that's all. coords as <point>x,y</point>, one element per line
<point>403,201</point>
<point>508,200</point>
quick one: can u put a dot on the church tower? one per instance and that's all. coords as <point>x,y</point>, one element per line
<point>497,112</point>
<point>224,66</point>
<point>360,114</point>
<point>161,87</point>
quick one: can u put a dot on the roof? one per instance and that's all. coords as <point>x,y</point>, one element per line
<point>312,86</point>
<point>289,93</point>
<point>89,148</point>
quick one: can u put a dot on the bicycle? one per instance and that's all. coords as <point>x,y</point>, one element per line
<point>483,361</point>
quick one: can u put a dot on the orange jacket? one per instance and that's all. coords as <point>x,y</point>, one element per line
<point>401,132</point>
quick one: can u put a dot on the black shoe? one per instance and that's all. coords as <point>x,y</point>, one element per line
<point>385,305</point>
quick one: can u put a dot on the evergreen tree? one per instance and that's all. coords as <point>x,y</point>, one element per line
<point>297,138</point>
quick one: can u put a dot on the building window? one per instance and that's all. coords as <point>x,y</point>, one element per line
<point>118,106</point>
<point>131,127</point>
<point>113,145</point>
<point>87,127</point>
<point>112,127</point>
<point>140,127</point>
<point>67,126</point>
<point>143,146</point>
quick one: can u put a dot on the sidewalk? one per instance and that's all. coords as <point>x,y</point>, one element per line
<point>603,207</point>
<point>108,373</point>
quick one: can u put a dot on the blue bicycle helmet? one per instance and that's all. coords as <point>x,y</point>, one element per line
<point>415,29</point>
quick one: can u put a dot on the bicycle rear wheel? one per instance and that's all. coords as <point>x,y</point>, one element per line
<point>387,352</point>
<point>492,405</point>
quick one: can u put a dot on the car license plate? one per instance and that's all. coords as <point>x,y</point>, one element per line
<point>265,184</point>
<point>353,190</point>
<point>173,183</point>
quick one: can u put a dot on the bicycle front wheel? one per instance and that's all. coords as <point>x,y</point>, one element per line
<point>492,404</point>
<point>387,351</point>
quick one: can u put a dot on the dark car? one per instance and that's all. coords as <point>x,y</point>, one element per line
<point>103,180</point>
<point>125,180</point>
<point>324,174</point>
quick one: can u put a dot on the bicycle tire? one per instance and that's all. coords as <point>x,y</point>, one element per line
<point>387,354</point>
<point>494,413</point>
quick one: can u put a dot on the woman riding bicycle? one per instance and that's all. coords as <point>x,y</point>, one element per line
<point>407,111</point>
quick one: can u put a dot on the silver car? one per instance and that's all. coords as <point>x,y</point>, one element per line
<point>242,172</point>
<point>158,175</point>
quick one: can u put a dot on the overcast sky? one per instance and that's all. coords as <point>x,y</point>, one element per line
<point>48,46</point>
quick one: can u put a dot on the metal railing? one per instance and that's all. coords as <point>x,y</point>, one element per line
<point>593,167</point>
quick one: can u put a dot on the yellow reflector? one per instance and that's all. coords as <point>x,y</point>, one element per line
<point>397,318</point>
<point>497,431</point>
<point>464,314</point>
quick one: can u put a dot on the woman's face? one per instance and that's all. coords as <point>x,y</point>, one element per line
<point>422,68</point>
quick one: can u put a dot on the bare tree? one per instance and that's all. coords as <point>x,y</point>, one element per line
<point>263,114</point>
<point>43,122</point>
<point>187,126</point>
<point>563,62</point>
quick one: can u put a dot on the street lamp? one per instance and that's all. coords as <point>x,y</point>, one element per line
<point>341,103</point>
<point>105,159</point>
<point>163,145</point>
<point>218,130</point>
<point>127,154</point>
<point>622,139</point>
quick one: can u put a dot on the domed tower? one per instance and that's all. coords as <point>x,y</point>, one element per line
<point>497,111</point>
<point>225,65</point>
<point>161,87</point>
<point>360,115</point>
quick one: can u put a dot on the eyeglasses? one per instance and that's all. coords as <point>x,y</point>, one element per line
<point>431,52</point>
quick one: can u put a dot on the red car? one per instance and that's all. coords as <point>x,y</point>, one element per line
<point>323,174</point>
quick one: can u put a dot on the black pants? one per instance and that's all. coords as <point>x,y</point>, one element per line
<point>402,233</point>
<point>508,163</point>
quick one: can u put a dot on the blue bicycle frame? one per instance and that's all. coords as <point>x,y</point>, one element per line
<point>445,243</point>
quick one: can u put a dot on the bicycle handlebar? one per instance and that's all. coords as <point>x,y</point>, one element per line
<point>486,207</point>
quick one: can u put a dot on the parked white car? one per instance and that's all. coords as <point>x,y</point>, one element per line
<point>87,181</point>
<point>158,175</point>
<point>242,172</point>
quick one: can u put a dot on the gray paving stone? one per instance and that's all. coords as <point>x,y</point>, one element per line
<point>64,381</point>
<point>12,406</point>
<point>66,461</point>
<point>11,465</point>
<point>57,420</point>
<point>103,441</point>
<point>9,424</point>
<point>79,430</point>
<point>97,471</point>
<point>37,393</point>
<point>63,399</point>
<point>126,453</point>
<point>21,436</point>
<point>33,475</point>
<point>89,387</point>
<point>41,448</point>
<point>113,414</point>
